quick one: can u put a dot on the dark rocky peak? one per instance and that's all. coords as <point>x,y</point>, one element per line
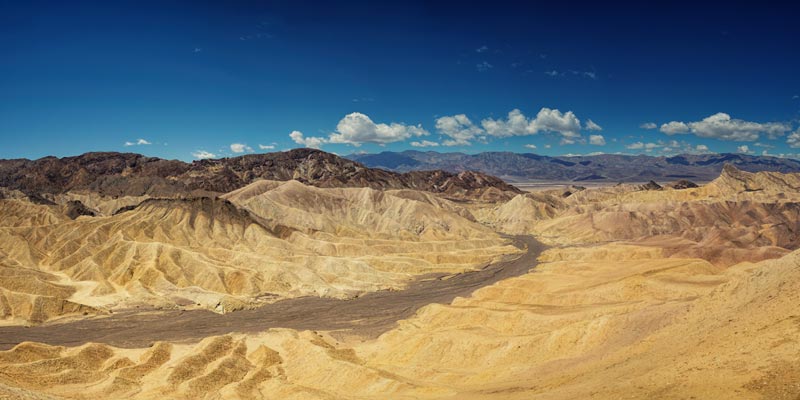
<point>683,184</point>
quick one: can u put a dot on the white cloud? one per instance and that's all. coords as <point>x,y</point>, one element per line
<point>648,147</point>
<point>515,125</point>
<point>743,149</point>
<point>138,142</point>
<point>311,142</point>
<point>266,146</point>
<point>669,147</point>
<point>674,127</point>
<point>357,128</point>
<point>202,154</point>
<point>483,66</point>
<point>547,120</point>
<point>635,146</point>
<point>721,126</point>
<point>552,73</point>
<point>530,146</point>
<point>597,140</point>
<point>793,140</point>
<point>547,146</point>
<point>459,128</point>
<point>424,143</point>
<point>482,49</point>
<point>241,148</point>
<point>648,125</point>
<point>591,126</point>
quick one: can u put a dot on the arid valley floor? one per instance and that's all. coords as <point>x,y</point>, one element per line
<point>302,275</point>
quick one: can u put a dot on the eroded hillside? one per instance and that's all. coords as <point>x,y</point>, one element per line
<point>646,291</point>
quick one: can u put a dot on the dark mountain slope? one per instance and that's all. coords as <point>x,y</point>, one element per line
<point>121,174</point>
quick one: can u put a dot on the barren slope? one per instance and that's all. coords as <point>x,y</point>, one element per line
<point>286,240</point>
<point>647,294</point>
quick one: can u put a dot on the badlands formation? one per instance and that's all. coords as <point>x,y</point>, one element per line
<point>643,291</point>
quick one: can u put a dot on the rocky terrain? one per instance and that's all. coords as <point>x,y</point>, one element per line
<point>522,167</point>
<point>128,174</point>
<point>658,290</point>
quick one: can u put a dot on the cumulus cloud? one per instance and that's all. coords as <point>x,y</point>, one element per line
<point>547,120</point>
<point>674,127</point>
<point>701,148</point>
<point>424,143</point>
<point>722,126</point>
<point>311,142</point>
<point>459,129</point>
<point>591,126</point>
<point>516,124</point>
<point>357,128</point>
<point>266,146</point>
<point>744,149</point>
<point>648,125</point>
<point>138,142</point>
<point>202,155</point>
<point>793,140</point>
<point>530,146</point>
<point>597,140</point>
<point>241,148</point>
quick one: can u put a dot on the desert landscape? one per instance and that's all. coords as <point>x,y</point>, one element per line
<point>133,277</point>
<point>399,200</point>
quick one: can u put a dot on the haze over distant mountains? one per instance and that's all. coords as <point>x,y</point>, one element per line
<point>518,167</point>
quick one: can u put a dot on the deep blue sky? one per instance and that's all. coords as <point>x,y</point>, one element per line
<point>190,76</point>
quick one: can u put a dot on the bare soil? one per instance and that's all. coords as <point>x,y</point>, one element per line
<point>368,315</point>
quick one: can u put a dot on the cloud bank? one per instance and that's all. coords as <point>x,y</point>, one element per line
<point>721,126</point>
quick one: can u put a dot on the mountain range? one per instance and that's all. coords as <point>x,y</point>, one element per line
<point>130,174</point>
<point>521,167</point>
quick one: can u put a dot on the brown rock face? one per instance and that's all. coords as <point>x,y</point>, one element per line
<point>128,174</point>
<point>75,209</point>
<point>683,184</point>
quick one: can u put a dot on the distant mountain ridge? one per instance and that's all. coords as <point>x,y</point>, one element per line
<point>130,174</point>
<point>519,167</point>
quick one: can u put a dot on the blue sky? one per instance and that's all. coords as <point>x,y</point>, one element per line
<point>193,79</point>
